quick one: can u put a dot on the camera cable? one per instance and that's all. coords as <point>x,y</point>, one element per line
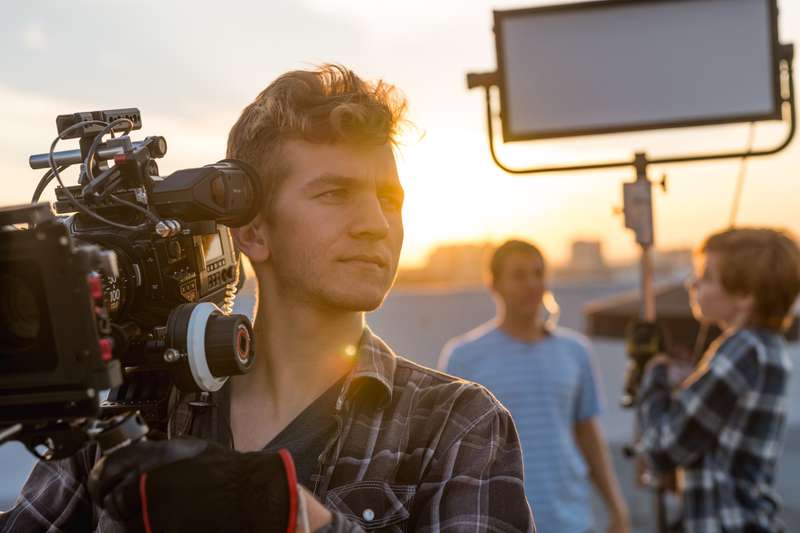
<point>89,165</point>
<point>90,155</point>
<point>85,210</point>
<point>43,183</point>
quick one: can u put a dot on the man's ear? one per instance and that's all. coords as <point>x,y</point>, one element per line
<point>252,240</point>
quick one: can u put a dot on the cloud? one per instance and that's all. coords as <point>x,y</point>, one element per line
<point>192,57</point>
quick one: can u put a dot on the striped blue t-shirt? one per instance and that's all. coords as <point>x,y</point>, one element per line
<point>548,385</point>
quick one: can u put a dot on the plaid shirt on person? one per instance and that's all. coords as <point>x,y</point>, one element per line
<point>414,450</point>
<point>723,430</point>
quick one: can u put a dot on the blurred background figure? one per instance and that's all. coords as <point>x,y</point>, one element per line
<point>544,375</point>
<point>724,425</point>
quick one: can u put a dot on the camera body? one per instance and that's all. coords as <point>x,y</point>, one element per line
<point>52,324</point>
<point>129,289</point>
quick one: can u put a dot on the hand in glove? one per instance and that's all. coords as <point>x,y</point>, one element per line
<point>188,484</point>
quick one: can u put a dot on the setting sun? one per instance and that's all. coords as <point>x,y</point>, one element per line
<point>455,193</point>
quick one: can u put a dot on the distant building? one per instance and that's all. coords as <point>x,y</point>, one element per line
<point>464,265</point>
<point>452,264</point>
<point>586,262</point>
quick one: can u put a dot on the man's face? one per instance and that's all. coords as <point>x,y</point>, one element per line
<point>709,299</point>
<point>336,228</point>
<point>520,284</point>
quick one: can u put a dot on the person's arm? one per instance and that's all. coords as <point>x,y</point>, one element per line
<point>54,498</point>
<point>595,452</point>
<point>590,441</point>
<point>679,427</point>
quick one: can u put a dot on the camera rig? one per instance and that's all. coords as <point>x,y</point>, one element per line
<point>129,288</point>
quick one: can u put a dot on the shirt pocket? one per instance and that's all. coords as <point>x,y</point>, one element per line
<point>373,504</point>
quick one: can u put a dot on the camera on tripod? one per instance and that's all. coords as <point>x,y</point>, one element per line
<point>130,288</point>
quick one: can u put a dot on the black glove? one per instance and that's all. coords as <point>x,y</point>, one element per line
<point>188,484</point>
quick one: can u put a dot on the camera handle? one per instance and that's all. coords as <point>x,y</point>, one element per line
<point>58,440</point>
<point>120,431</point>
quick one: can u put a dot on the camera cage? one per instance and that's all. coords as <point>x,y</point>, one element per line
<point>120,288</point>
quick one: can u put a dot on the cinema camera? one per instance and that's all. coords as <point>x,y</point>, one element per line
<point>132,291</point>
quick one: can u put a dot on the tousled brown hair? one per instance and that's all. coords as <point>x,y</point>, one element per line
<point>761,262</point>
<point>328,105</point>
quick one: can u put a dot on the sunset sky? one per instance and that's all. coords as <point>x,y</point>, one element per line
<point>191,66</point>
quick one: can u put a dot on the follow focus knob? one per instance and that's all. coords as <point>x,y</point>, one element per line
<point>229,345</point>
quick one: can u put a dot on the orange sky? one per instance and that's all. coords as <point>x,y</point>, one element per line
<point>191,90</point>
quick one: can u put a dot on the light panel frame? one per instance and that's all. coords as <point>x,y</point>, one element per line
<point>501,16</point>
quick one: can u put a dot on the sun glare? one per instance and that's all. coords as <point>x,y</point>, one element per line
<point>456,194</point>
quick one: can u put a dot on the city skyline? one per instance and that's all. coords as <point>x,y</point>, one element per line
<point>458,265</point>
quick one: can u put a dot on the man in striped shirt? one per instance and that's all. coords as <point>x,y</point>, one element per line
<point>545,377</point>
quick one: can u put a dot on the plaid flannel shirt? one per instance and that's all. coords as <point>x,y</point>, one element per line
<point>722,429</point>
<point>414,450</point>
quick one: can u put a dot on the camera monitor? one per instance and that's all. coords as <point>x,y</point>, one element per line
<point>626,65</point>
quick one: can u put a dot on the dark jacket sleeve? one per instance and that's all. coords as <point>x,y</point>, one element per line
<point>54,498</point>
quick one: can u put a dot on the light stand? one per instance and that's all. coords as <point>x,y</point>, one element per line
<point>637,197</point>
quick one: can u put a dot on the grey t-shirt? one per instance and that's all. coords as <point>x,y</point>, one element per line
<point>306,436</point>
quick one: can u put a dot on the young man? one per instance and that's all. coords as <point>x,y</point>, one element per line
<point>377,441</point>
<point>546,379</point>
<point>723,426</point>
